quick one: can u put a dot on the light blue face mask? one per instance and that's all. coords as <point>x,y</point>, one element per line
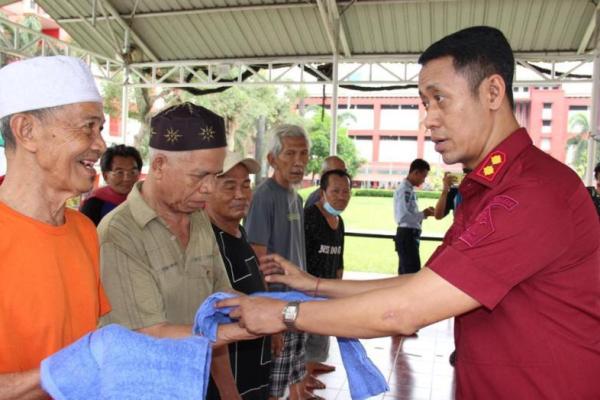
<point>329,208</point>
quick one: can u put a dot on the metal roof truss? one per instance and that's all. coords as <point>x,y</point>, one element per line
<point>354,72</point>
<point>21,42</point>
<point>18,41</point>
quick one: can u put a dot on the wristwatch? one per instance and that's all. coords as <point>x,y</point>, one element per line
<point>290,313</point>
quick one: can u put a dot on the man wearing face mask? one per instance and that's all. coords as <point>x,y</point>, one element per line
<point>324,232</point>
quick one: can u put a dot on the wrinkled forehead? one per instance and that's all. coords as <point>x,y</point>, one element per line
<point>294,143</point>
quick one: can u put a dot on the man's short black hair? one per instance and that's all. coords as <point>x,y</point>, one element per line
<point>122,151</point>
<point>418,164</point>
<point>325,177</point>
<point>597,170</point>
<point>477,53</point>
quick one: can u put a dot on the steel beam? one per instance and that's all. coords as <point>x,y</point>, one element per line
<point>12,43</point>
<point>126,28</point>
<point>336,22</point>
<point>591,26</point>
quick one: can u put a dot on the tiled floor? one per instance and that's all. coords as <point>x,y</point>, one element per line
<point>416,367</point>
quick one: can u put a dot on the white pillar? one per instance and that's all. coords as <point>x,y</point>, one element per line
<point>334,94</point>
<point>125,105</point>
<point>594,115</point>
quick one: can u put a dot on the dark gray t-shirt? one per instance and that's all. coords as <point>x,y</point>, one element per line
<point>275,220</point>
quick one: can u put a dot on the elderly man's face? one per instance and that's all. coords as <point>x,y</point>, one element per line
<point>459,122</point>
<point>291,162</point>
<point>232,195</point>
<point>68,145</point>
<point>188,180</point>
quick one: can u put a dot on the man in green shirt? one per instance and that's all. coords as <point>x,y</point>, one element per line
<point>159,257</point>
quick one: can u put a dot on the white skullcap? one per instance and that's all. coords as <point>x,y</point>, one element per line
<point>43,82</point>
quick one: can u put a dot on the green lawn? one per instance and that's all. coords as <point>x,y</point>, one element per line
<point>376,214</point>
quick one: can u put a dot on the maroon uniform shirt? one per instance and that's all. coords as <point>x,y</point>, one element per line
<point>525,244</point>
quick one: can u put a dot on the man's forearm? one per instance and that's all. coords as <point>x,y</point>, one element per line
<point>165,330</point>
<point>440,206</point>
<point>424,298</point>
<point>221,373</point>
<point>336,288</point>
<point>21,386</point>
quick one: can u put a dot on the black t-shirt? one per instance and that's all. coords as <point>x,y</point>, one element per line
<point>324,246</point>
<point>250,360</point>
<point>450,200</point>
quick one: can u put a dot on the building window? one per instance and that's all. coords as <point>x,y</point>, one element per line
<point>364,146</point>
<point>396,117</point>
<point>397,148</point>
<point>547,111</point>
<point>547,126</point>
<point>579,119</point>
<point>362,116</point>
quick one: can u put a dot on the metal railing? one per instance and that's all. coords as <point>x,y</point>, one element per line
<point>388,235</point>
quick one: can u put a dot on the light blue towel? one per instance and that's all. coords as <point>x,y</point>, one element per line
<point>364,379</point>
<point>116,363</point>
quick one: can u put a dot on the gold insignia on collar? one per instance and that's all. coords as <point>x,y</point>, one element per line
<point>207,133</point>
<point>172,135</point>
<point>492,166</point>
<point>496,159</point>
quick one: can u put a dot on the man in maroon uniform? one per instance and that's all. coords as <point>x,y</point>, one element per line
<point>520,266</point>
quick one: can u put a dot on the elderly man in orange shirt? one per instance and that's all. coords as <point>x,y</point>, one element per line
<point>50,117</point>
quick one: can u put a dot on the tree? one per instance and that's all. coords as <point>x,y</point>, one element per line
<point>319,128</point>
<point>578,143</point>
<point>141,106</point>
<point>242,106</point>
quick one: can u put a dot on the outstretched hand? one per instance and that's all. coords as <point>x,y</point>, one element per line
<point>279,270</point>
<point>257,315</point>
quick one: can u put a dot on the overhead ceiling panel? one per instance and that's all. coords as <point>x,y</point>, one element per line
<point>178,30</point>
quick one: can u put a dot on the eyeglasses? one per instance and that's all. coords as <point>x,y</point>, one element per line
<point>122,173</point>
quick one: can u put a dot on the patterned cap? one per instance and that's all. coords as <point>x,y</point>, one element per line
<point>187,127</point>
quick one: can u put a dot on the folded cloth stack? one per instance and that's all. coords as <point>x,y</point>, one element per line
<point>364,379</point>
<point>116,363</point>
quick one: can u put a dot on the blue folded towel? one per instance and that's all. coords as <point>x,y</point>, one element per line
<point>115,363</point>
<point>364,379</point>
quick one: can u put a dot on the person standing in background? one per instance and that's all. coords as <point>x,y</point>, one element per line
<point>409,219</point>
<point>329,163</point>
<point>275,224</point>
<point>121,166</point>
<point>324,231</point>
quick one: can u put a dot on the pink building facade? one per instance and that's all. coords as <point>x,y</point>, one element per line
<point>388,131</point>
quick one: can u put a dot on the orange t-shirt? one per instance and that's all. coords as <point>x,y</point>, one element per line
<point>50,291</point>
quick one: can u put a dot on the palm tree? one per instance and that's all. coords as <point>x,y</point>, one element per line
<point>578,143</point>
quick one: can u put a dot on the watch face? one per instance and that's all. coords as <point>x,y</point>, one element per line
<point>290,312</point>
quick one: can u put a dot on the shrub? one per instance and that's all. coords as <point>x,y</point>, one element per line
<point>373,193</point>
<point>390,193</point>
